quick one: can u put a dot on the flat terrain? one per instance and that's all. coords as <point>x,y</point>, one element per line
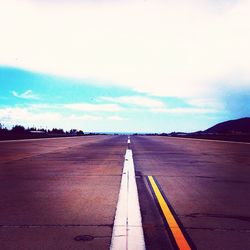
<point>53,190</point>
<point>207,184</point>
<point>221,137</point>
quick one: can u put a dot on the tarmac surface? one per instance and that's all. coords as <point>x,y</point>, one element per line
<point>207,184</point>
<point>62,193</point>
<point>53,190</point>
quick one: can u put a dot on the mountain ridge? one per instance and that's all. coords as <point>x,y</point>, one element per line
<point>241,126</point>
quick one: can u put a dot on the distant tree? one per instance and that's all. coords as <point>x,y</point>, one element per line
<point>80,132</point>
<point>57,131</point>
<point>73,131</point>
<point>18,129</point>
<point>3,129</point>
<point>32,129</point>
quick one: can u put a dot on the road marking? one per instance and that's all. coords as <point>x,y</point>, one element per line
<point>127,231</point>
<point>175,230</point>
<point>128,139</point>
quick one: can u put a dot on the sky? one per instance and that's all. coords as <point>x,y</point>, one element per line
<point>124,66</point>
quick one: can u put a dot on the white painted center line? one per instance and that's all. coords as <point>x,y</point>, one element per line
<point>127,231</point>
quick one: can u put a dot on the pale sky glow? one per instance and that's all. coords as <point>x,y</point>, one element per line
<point>94,107</point>
<point>163,57</point>
<point>140,101</point>
<point>176,48</point>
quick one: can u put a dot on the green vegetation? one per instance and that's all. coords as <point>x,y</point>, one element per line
<point>20,132</point>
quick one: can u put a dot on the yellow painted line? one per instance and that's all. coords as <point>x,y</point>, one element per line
<point>173,225</point>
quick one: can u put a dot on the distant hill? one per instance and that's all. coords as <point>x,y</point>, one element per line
<point>231,127</point>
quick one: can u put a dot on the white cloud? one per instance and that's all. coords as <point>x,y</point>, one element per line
<point>212,103</point>
<point>93,107</point>
<point>24,116</point>
<point>189,110</point>
<point>140,101</point>
<point>29,117</point>
<point>43,106</point>
<point>85,118</point>
<point>95,118</point>
<point>28,94</point>
<point>172,48</point>
<point>116,118</point>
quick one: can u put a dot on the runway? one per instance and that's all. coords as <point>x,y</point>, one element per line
<point>206,182</point>
<point>53,190</point>
<point>63,193</point>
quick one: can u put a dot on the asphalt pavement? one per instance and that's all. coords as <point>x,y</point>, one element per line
<point>59,193</point>
<point>62,193</point>
<point>207,184</point>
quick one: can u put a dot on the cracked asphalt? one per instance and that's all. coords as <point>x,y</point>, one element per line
<point>59,193</point>
<point>62,193</point>
<point>207,184</point>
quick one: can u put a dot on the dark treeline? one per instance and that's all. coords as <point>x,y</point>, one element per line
<point>20,132</point>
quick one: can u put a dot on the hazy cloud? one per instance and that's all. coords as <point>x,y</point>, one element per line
<point>24,116</point>
<point>167,48</point>
<point>116,118</point>
<point>29,117</point>
<point>93,107</point>
<point>136,101</point>
<point>189,110</point>
<point>25,95</point>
